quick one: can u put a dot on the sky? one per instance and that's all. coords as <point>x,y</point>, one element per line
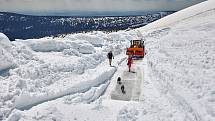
<point>63,6</point>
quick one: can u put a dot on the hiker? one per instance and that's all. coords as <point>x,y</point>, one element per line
<point>130,61</point>
<point>110,57</point>
<point>119,80</point>
<point>123,89</point>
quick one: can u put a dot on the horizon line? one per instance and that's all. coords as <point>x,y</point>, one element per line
<point>88,13</point>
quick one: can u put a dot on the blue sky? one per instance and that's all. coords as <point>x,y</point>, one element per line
<point>61,6</point>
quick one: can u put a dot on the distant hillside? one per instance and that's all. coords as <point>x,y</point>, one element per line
<point>17,26</point>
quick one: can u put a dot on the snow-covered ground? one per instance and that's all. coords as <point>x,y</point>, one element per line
<point>181,61</point>
<point>69,79</point>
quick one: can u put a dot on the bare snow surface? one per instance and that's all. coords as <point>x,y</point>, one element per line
<point>69,79</point>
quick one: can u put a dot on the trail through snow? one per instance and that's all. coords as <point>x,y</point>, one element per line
<point>131,82</point>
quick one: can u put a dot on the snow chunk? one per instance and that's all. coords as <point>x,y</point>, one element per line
<point>71,52</point>
<point>86,48</point>
<point>4,41</point>
<point>6,59</point>
<point>15,116</point>
<point>93,39</point>
<point>48,44</point>
<point>59,45</point>
<point>119,36</point>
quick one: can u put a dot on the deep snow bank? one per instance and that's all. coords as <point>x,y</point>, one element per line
<point>59,44</point>
<point>93,39</point>
<point>182,61</point>
<point>99,76</point>
<point>49,68</point>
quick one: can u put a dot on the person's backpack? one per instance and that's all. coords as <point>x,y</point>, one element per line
<point>110,55</point>
<point>119,80</point>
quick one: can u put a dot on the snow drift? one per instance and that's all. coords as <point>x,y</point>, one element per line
<point>49,68</point>
<point>58,45</point>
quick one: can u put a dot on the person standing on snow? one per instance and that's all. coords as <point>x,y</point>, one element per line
<point>130,61</point>
<point>110,57</point>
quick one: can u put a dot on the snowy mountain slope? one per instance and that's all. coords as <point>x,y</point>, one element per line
<point>181,58</point>
<point>180,15</point>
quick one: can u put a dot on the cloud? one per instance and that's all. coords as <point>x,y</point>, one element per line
<point>93,5</point>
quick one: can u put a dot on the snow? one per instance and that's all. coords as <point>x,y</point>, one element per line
<point>180,15</point>
<point>6,60</point>
<point>65,87</point>
<point>51,68</point>
<point>70,78</point>
<point>181,60</point>
<point>93,39</point>
<point>56,45</point>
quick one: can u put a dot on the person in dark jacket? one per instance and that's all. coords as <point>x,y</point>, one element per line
<point>123,89</point>
<point>119,80</point>
<point>110,57</point>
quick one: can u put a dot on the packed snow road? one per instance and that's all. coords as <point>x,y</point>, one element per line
<point>131,82</point>
<point>142,90</point>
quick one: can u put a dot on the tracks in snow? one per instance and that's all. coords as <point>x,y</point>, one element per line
<point>176,100</point>
<point>164,88</point>
<point>131,81</point>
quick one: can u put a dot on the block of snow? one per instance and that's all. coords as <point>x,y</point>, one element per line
<point>6,59</point>
<point>4,41</point>
<point>86,49</point>
<point>71,52</point>
<point>47,44</point>
<point>93,39</point>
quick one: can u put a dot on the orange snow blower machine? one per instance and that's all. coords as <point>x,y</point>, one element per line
<point>136,49</point>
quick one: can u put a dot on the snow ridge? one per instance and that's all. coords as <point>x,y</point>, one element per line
<point>24,102</point>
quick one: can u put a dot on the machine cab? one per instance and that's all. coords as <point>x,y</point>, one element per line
<point>136,48</point>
